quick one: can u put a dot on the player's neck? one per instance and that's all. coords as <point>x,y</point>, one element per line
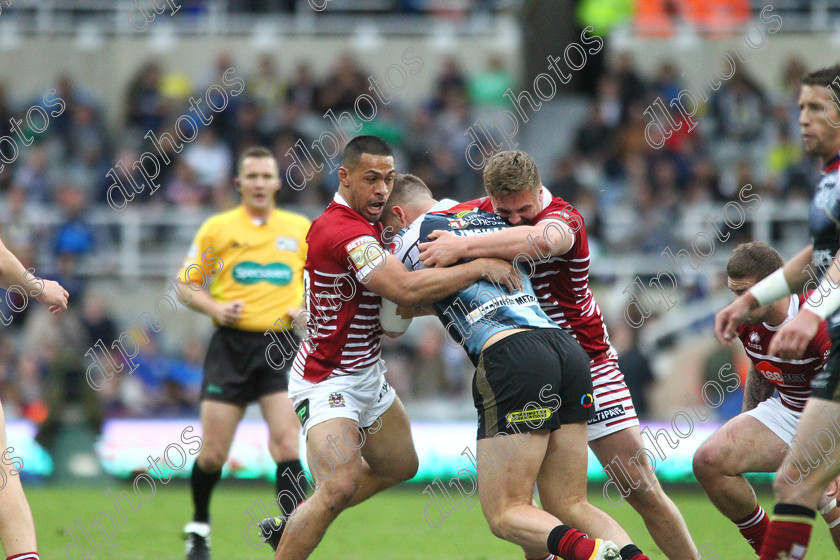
<point>258,214</point>
<point>778,313</point>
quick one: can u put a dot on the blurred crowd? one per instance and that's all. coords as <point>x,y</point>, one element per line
<point>747,134</point>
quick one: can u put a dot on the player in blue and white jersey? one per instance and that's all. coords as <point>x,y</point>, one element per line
<point>531,379</point>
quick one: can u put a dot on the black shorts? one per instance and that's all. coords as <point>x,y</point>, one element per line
<point>236,370</point>
<point>533,380</point>
<point>826,384</point>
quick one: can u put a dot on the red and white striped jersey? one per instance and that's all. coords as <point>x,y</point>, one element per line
<point>791,377</point>
<point>562,283</point>
<point>343,330</point>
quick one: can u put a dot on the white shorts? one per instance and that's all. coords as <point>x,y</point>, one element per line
<point>362,397</point>
<point>614,410</point>
<point>778,418</point>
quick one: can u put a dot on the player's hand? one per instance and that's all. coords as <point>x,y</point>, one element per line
<point>229,313</point>
<point>443,250</point>
<point>730,318</point>
<point>792,339</point>
<point>53,295</point>
<point>501,272</point>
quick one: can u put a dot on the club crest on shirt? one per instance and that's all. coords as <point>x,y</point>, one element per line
<point>286,244</point>
<point>336,400</point>
<point>755,338</point>
<point>458,224</point>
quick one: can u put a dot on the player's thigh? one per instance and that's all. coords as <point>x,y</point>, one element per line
<point>562,476</point>
<point>279,413</point>
<point>743,444</point>
<point>333,452</point>
<point>388,445</point>
<point>218,425</point>
<point>625,447</point>
<point>815,460</point>
<point>508,467</point>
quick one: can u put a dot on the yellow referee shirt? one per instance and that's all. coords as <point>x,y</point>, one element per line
<point>261,265</point>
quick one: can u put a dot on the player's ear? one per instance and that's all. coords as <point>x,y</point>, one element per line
<point>237,185</point>
<point>342,176</point>
<point>400,214</point>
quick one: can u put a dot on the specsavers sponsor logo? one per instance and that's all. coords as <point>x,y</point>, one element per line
<point>248,272</point>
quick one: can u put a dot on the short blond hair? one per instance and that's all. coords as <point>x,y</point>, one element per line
<point>511,172</point>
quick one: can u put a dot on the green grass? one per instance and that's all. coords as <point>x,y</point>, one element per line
<point>389,526</point>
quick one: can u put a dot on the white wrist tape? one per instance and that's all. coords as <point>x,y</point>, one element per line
<point>824,305</point>
<point>389,319</point>
<point>771,288</point>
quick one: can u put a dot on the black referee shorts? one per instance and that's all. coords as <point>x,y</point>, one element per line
<point>532,380</point>
<point>236,370</point>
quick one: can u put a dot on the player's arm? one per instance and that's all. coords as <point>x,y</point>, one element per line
<point>48,292</point>
<point>389,278</point>
<point>793,338</point>
<point>756,389</point>
<point>540,241</point>
<point>788,279</point>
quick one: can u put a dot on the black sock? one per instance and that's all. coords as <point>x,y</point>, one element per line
<point>555,536</point>
<point>202,486</point>
<point>290,486</point>
<point>629,551</point>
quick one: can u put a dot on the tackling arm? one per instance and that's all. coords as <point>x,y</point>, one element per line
<point>540,242</point>
<point>411,289</point>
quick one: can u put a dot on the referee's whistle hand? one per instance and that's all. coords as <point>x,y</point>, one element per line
<point>229,313</point>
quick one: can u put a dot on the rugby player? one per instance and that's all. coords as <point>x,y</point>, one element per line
<point>810,466</point>
<point>358,438</point>
<point>756,439</point>
<point>17,528</point>
<point>530,376</point>
<point>549,237</point>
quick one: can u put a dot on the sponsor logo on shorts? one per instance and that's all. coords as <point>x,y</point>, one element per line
<point>336,400</point>
<point>302,411</point>
<point>608,413</point>
<point>249,272</point>
<point>530,415</point>
<point>587,400</point>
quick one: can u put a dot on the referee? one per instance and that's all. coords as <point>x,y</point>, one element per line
<point>250,262</point>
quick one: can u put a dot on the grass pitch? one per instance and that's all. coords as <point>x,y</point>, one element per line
<point>389,526</point>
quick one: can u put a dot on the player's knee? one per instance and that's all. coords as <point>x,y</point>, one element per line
<point>646,494</point>
<point>498,525</point>
<point>339,489</point>
<point>706,460</point>
<point>409,468</point>
<point>211,459</point>
<point>285,446</point>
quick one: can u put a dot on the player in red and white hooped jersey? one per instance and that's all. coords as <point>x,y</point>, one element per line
<point>757,439</point>
<point>358,439</point>
<point>551,239</point>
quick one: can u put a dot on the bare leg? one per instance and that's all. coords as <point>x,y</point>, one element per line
<point>661,516</point>
<point>741,445</point>
<point>17,528</point>
<point>347,472</point>
<point>562,486</point>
